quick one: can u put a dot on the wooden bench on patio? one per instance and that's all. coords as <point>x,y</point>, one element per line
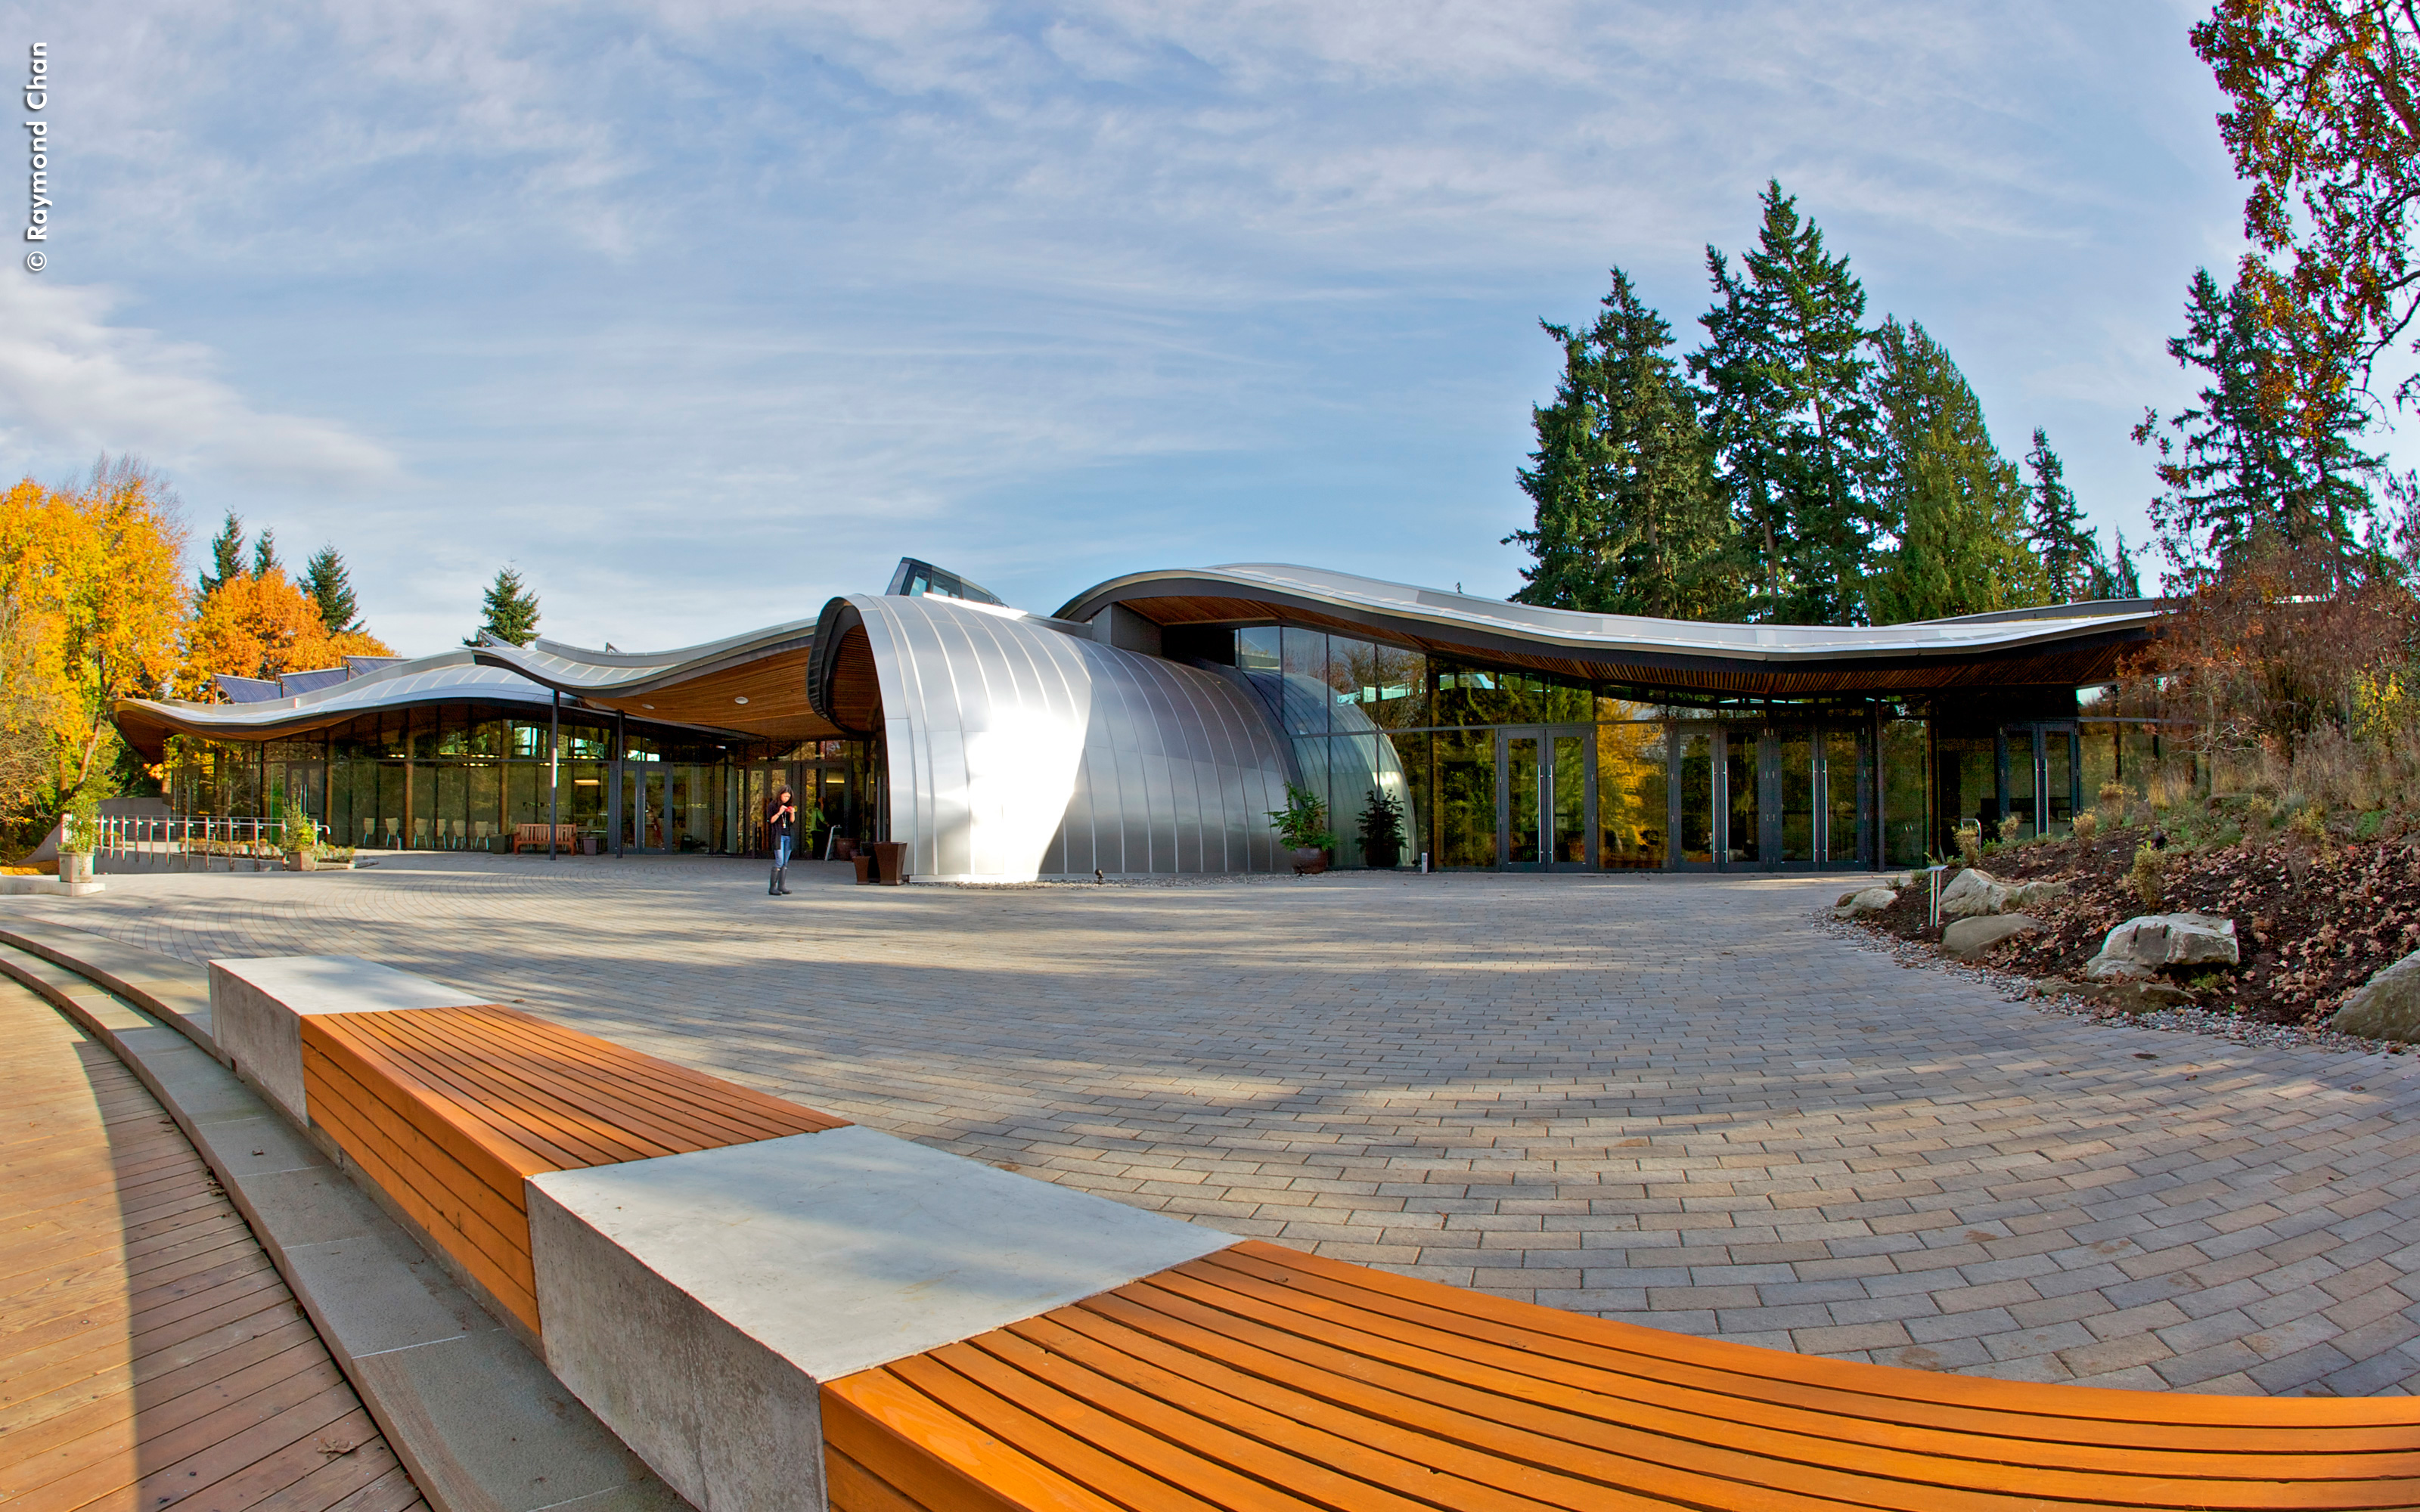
<point>450,1110</point>
<point>1253,1377</point>
<point>1262,1377</point>
<point>533,836</point>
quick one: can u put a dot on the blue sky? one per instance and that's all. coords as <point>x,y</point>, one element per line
<point>701,311</point>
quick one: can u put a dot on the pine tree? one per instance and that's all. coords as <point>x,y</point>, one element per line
<point>1954,504</point>
<point>2267,460</point>
<point>2112,576</point>
<point>508,611</point>
<point>263,555</point>
<point>1785,365</point>
<point>1627,516</point>
<point>326,583</point>
<point>2056,524</point>
<point>226,555</point>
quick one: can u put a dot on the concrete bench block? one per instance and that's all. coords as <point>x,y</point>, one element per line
<point>696,1303</point>
<point>257,1008</point>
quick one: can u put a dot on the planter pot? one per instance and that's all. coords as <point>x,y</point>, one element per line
<point>864,864</point>
<point>75,866</point>
<point>1309,861</point>
<point>843,849</point>
<point>1386,859</point>
<point>301,861</point>
<point>889,861</point>
<point>588,844</point>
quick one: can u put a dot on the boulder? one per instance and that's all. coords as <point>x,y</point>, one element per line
<point>2386,1007</point>
<point>2146,944</point>
<point>1970,937</point>
<point>1871,900</point>
<point>1971,892</point>
<point>2025,895</point>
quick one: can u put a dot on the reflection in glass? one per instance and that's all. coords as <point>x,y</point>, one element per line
<point>1412,758</point>
<point>1907,793</point>
<point>1256,649</point>
<point>1388,684</point>
<point>1844,781</point>
<point>1351,776</point>
<point>1969,788</point>
<point>1521,800</point>
<point>2099,743</point>
<point>1472,695</point>
<point>1308,695</point>
<point>1696,797</point>
<point>2059,771</point>
<point>1466,768</point>
<point>1797,750</point>
<point>1568,841</point>
<point>1742,843</point>
<point>1632,792</point>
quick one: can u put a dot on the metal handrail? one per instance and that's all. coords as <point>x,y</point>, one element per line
<point>174,841</point>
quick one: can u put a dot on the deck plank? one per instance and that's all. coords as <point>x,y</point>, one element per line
<point>150,1353</point>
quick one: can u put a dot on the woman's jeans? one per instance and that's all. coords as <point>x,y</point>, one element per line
<point>781,850</point>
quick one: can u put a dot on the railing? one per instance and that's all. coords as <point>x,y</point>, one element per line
<point>176,843</point>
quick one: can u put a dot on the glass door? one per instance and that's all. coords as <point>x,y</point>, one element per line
<point>1696,776</point>
<point>2040,777</point>
<point>1739,802</point>
<point>1546,802</point>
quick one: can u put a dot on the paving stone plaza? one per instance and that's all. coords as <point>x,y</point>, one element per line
<point>1679,1100</point>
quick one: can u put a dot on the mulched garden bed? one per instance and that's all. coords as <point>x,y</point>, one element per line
<point>2315,918</point>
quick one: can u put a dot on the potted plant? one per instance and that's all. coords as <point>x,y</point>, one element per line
<point>1302,826</point>
<point>79,830</point>
<point>299,839</point>
<point>1382,829</point>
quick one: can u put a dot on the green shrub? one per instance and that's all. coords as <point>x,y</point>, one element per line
<point>2148,876</point>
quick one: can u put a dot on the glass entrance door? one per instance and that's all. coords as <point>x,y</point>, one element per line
<point>1546,803</point>
<point>2040,777</point>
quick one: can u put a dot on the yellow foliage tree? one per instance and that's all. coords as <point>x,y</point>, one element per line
<point>91,606</point>
<point>261,627</point>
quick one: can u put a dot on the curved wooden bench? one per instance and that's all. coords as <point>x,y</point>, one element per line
<point>1263,1378</point>
<point>450,1110</point>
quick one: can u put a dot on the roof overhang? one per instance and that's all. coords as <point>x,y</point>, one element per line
<point>2073,645</point>
<point>754,683</point>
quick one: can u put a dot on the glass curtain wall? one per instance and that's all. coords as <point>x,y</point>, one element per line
<point>465,776</point>
<point>1493,766</point>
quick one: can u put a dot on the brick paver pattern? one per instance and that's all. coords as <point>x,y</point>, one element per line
<point>1677,1101</point>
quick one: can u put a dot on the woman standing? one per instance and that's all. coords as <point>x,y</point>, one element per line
<point>782,827</point>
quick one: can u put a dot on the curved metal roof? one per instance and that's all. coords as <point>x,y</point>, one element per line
<point>754,683</point>
<point>447,676</point>
<point>2065,643</point>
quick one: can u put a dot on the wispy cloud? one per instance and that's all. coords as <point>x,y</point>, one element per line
<point>73,380</point>
<point>701,309</point>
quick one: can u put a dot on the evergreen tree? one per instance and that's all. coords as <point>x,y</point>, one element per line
<point>2267,458</point>
<point>226,555</point>
<point>508,613</point>
<point>2055,526</point>
<point>2113,576</point>
<point>1956,506</point>
<point>263,555</point>
<point>326,583</point>
<point>1785,365</point>
<point>1627,516</point>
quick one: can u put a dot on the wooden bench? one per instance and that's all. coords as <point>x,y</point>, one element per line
<point>449,1110</point>
<point>533,836</point>
<point>1260,1376</point>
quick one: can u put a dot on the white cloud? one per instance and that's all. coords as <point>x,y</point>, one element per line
<point>71,383</point>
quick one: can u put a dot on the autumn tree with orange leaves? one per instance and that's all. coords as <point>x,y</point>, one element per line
<point>260,626</point>
<point>91,603</point>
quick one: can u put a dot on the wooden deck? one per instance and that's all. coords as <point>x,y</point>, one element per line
<point>1263,1378</point>
<point>150,1357</point>
<point>450,1110</point>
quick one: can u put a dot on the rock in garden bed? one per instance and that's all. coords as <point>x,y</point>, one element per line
<point>2312,921</point>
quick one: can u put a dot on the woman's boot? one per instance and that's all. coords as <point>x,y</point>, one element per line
<point>781,881</point>
<point>773,888</point>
